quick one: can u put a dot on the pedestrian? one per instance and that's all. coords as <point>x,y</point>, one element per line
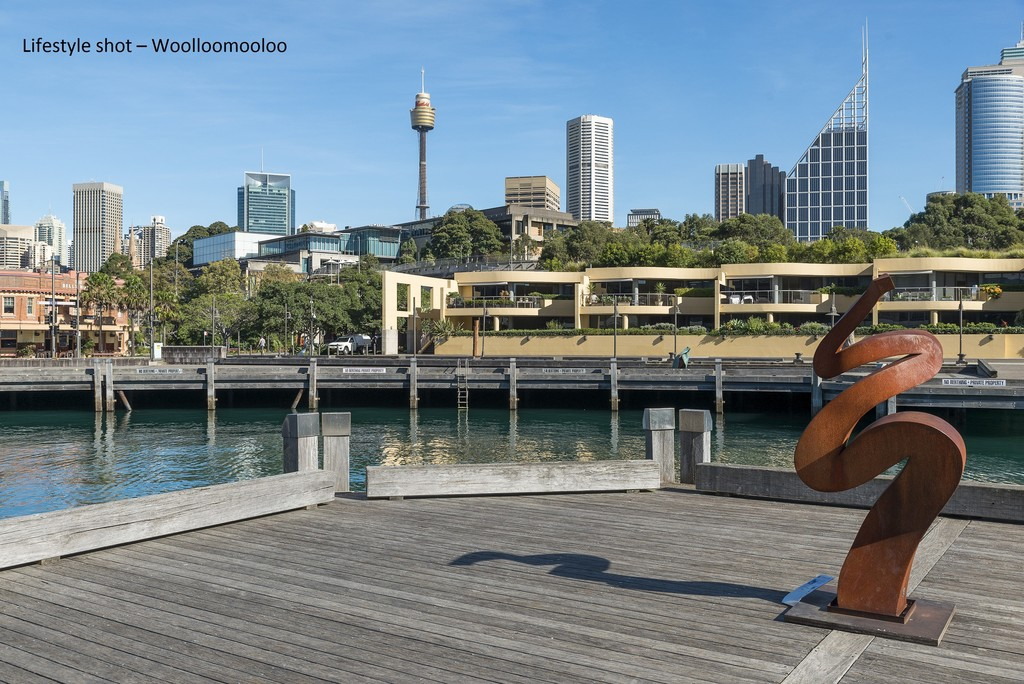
<point>263,344</point>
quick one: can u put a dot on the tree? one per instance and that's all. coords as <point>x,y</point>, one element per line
<point>117,266</point>
<point>881,246</point>
<point>585,242</point>
<point>665,232</point>
<point>760,230</point>
<point>134,298</point>
<point>407,252</point>
<point>698,229</point>
<point>486,237</point>
<point>220,278</point>
<point>102,293</point>
<point>451,238</point>
<point>278,273</point>
<point>735,251</point>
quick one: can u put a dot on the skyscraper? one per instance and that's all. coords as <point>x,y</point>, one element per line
<point>422,117</point>
<point>637,216</point>
<point>266,203</point>
<point>149,241</point>
<point>730,197</point>
<point>765,188</point>
<point>98,223</point>
<point>538,192</point>
<point>590,168</point>
<point>990,128</point>
<point>53,232</point>
<point>5,202</point>
<point>829,185</point>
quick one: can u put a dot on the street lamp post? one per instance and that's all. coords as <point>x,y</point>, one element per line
<point>152,255</point>
<point>78,316</point>
<point>53,308</point>
<point>675,328</point>
<point>287,340</point>
<point>832,314</point>
<point>415,340</point>
<point>312,317</point>
<point>213,331</point>
<point>615,327</point>
<point>483,335</point>
<point>960,356</point>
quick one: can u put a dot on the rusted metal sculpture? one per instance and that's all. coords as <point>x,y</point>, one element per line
<point>874,577</point>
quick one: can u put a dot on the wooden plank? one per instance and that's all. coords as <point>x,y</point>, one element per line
<point>510,478</point>
<point>32,538</point>
<point>982,500</point>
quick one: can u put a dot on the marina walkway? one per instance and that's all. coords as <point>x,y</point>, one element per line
<point>670,586</point>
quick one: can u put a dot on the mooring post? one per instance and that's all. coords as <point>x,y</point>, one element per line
<point>719,394</point>
<point>817,402</point>
<point>97,387</point>
<point>337,431</point>
<point>694,442</point>
<point>660,433</point>
<point>613,375</point>
<point>314,399</point>
<point>414,395</point>
<point>108,385</point>
<point>513,389</point>
<point>301,434</point>
<point>211,388</point>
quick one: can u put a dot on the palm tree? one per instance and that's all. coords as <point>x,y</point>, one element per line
<point>134,298</point>
<point>102,293</point>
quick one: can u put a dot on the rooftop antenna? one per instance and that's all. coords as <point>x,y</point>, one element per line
<point>423,72</point>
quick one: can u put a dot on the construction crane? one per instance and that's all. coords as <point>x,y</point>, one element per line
<point>907,204</point>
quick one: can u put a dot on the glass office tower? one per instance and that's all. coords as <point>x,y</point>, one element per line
<point>266,204</point>
<point>990,128</point>
<point>829,185</point>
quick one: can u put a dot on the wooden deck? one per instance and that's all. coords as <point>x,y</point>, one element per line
<point>671,586</point>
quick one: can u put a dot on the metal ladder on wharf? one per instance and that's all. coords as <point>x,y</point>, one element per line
<point>462,377</point>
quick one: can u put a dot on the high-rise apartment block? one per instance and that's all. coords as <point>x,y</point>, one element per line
<point>828,186</point>
<point>266,203</point>
<point>730,197</point>
<point>147,242</point>
<point>98,221</point>
<point>5,202</point>
<point>15,244</point>
<point>990,128</point>
<point>538,192</point>
<point>589,168</point>
<point>637,216</point>
<point>53,232</point>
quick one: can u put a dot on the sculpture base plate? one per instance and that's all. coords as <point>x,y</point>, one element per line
<point>927,624</point>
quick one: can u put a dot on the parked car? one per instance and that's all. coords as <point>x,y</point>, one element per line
<point>351,344</point>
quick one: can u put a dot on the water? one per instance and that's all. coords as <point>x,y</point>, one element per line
<point>55,460</point>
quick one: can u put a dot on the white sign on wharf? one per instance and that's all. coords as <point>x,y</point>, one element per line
<point>567,370</point>
<point>159,371</point>
<point>972,382</point>
<point>364,370</point>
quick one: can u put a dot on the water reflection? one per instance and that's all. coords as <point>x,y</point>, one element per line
<point>55,460</point>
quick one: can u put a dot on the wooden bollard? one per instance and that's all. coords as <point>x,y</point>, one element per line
<point>337,430</point>
<point>694,442</point>
<point>301,434</point>
<point>659,429</point>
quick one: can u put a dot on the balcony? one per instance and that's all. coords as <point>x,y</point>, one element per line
<point>479,304</point>
<point>809,297</point>
<point>638,299</point>
<point>935,294</point>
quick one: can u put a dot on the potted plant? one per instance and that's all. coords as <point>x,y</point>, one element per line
<point>992,290</point>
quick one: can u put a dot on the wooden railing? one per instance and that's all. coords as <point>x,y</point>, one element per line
<point>48,536</point>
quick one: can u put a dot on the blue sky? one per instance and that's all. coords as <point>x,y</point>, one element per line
<point>689,84</point>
